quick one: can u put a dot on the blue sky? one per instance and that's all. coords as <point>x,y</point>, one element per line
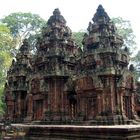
<point>77,13</point>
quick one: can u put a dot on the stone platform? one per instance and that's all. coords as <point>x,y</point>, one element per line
<point>115,132</point>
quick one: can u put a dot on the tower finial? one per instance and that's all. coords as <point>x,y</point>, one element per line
<point>101,16</point>
<point>56,12</point>
<point>56,17</point>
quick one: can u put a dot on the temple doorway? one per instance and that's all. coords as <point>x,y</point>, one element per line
<point>23,105</point>
<point>38,110</point>
<point>127,106</point>
<point>90,108</point>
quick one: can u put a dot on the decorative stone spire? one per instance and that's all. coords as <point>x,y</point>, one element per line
<point>56,12</point>
<point>101,16</point>
<point>57,47</point>
<point>24,52</point>
<point>55,35</point>
<point>102,32</point>
<point>56,17</point>
<point>56,29</point>
<point>22,61</point>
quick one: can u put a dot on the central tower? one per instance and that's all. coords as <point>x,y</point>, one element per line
<point>53,65</point>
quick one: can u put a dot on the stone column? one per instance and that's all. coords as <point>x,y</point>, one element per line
<point>30,104</point>
<point>78,107</point>
<point>29,107</point>
<point>19,106</point>
<point>55,99</point>
<point>124,118</point>
<point>121,102</point>
<point>44,107</point>
<point>12,109</point>
<point>134,114</point>
<point>99,108</point>
<point>112,96</point>
<point>82,107</point>
<point>103,100</point>
<point>66,106</point>
<point>61,100</point>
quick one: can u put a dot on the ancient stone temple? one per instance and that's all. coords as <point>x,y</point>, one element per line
<point>62,85</point>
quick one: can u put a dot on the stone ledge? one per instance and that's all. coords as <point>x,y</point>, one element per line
<point>114,132</point>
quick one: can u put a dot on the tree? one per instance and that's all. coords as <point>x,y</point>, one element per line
<point>78,37</point>
<point>124,29</point>
<point>136,62</point>
<point>23,25</point>
<point>13,30</point>
<point>6,47</point>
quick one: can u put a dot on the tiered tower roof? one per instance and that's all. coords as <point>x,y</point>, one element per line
<point>22,60</point>
<point>20,69</point>
<point>55,31</point>
<point>56,42</point>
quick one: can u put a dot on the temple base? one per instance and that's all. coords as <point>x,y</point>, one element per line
<point>117,132</point>
<point>112,120</point>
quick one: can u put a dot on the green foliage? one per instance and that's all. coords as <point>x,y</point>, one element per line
<point>137,58</point>
<point>6,48</point>
<point>6,39</point>
<point>124,29</point>
<point>32,40</point>
<point>2,104</point>
<point>13,30</point>
<point>136,61</point>
<point>78,37</point>
<point>23,25</point>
